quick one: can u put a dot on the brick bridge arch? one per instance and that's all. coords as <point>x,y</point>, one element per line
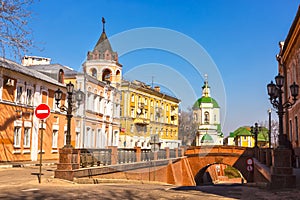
<point>201,158</point>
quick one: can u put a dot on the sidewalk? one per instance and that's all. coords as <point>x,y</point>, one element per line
<point>12,164</point>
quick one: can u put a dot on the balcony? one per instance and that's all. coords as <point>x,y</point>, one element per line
<point>141,121</point>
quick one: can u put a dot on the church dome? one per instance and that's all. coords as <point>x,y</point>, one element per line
<point>206,99</point>
<point>207,139</point>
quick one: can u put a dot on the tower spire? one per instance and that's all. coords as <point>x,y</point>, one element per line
<point>103,24</point>
<point>205,88</point>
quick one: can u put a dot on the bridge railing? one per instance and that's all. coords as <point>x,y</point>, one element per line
<point>112,155</point>
<point>95,157</point>
<point>264,156</point>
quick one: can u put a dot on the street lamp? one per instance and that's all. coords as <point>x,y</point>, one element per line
<point>69,108</point>
<point>275,92</point>
<point>270,127</point>
<point>254,130</point>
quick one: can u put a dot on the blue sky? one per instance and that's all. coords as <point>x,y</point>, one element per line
<point>240,37</point>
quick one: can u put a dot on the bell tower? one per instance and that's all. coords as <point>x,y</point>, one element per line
<point>102,62</point>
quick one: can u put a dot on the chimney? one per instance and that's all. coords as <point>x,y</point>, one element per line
<point>157,88</point>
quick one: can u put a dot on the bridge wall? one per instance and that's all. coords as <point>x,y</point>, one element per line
<point>184,171</point>
<point>176,172</point>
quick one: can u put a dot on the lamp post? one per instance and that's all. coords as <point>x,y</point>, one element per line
<point>275,92</point>
<point>254,130</point>
<point>69,108</point>
<point>270,127</point>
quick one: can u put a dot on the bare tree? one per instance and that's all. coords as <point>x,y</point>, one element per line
<point>187,127</point>
<point>274,131</point>
<point>15,35</point>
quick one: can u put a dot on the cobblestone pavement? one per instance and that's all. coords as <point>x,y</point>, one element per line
<point>19,183</point>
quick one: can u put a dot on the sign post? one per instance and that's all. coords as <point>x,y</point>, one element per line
<point>42,112</point>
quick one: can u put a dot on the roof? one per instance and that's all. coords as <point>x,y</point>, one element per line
<point>243,131</point>
<point>103,44</point>
<point>207,139</point>
<point>50,67</point>
<point>13,66</point>
<point>246,131</point>
<point>206,100</point>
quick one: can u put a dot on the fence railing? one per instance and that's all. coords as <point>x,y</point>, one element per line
<point>113,155</point>
<point>126,156</point>
<point>92,157</point>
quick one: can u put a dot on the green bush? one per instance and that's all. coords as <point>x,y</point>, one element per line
<point>231,172</point>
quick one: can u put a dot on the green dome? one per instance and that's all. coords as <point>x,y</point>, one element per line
<point>206,100</point>
<point>207,139</point>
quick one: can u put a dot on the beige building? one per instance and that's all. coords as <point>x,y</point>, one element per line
<point>148,117</point>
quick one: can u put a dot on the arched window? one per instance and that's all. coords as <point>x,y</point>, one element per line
<point>118,75</point>
<point>61,76</point>
<point>106,75</point>
<point>206,117</point>
<point>94,72</point>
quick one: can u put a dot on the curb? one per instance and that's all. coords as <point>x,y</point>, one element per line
<point>20,165</point>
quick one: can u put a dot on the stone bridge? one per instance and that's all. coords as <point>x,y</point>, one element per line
<point>189,169</point>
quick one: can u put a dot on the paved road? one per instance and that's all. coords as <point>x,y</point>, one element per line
<point>18,183</point>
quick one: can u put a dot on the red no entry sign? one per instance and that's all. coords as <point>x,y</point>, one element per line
<point>42,111</point>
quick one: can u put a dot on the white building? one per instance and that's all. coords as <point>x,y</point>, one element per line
<point>206,112</point>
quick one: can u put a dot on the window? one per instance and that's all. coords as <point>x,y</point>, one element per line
<point>296,128</point>
<point>291,131</point>
<point>77,139</point>
<point>206,117</point>
<point>65,137</point>
<point>132,112</point>
<point>98,139</point>
<point>86,138</point>
<point>54,138</point>
<point>17,136</point>
<point>92,140</point>
<point>19,94</point>
<point>26,137</point>
<point>94,72</point>
<point>29,97</point>
<point>61,76</point>
<point>131,128</point>
<point>132,98</point>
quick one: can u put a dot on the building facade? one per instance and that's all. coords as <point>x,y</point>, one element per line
<point>99,117</point>
<point>289,66</point>
<point>21,90</point>
<point>149,118</point>
<point>206,114</point>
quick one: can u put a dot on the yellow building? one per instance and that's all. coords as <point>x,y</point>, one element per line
<point>148,117</point>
